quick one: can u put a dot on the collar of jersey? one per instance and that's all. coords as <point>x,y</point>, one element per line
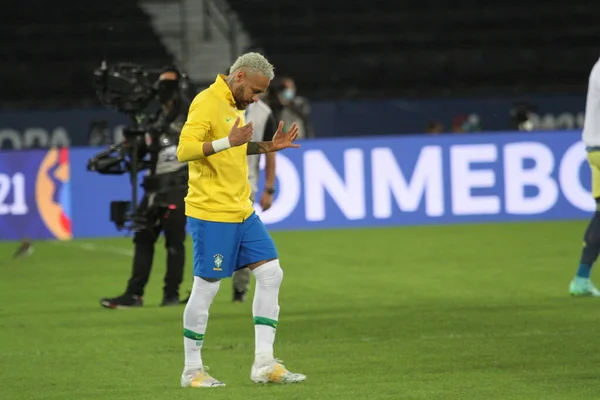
<point>221,88</point>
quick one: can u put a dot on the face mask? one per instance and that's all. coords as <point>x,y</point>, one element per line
<point>289,94</point>
<point>167,90</point>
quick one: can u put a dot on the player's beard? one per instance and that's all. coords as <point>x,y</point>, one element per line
<point>238,96</point>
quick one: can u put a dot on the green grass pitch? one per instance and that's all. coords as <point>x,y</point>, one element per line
<point>448,312</point>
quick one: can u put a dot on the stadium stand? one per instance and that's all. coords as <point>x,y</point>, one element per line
<point>346,48</point>
<point>50,49</point>
<point>333,49</point>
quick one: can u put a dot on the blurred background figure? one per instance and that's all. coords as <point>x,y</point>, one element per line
<point>99,133</point>
<point>434,128</point>
<point>288,107</point>
<point>466,123</point>
<point>521,117</point>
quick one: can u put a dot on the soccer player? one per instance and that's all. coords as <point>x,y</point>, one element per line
<point>226,233</point>
<point>581,285</point>
<point>265,125</point>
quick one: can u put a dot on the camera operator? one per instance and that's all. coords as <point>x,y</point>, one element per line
<point>288,107</point>
<point>163,206</point>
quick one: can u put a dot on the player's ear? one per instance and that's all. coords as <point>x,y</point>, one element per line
<point>239,76</point>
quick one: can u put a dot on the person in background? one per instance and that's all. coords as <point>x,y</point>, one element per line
<point>290,108</point>
<point>520,117</point>
<point>99,133</point>
<point>466,123</point>
<point>434,128</point>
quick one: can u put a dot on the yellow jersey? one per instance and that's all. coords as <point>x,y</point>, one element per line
<point>218,186</point>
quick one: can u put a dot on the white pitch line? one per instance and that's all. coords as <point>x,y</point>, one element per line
<point>97,248</point>
<point>507,335</point>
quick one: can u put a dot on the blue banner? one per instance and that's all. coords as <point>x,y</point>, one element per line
<point>394,181</point>
<point>389,181</point>
<point>333,183</point>
<point>92,195</point>
<point>35,195</point>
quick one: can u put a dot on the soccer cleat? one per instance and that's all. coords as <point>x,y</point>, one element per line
<point>170,301</point>
<point>199,378</point>
<point>123,301</point>
<point>275,373</point>
<point>583,287</point>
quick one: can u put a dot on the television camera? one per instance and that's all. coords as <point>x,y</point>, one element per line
<point>129,89</point>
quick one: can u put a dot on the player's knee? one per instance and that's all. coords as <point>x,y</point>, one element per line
<point>279,274</point>
<point>269,273</point>
<point>592,234</point>
<point>592,237</point>
<point>206,284</point>
<point>589,241</point>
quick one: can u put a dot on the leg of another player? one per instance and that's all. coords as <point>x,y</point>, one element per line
<point>581,285</point>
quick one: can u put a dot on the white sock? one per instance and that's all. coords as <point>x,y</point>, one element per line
<point>265,309</point>
<point>195,319</point>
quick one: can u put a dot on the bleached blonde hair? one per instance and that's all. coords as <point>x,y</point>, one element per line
<point>255,62</point>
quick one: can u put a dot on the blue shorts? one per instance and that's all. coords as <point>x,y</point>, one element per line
<point>220,248</point>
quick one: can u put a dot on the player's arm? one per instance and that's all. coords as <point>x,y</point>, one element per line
<point>260,148</point>
<point>192,145</point>
<point>192,142</point>
<point>280,141</point>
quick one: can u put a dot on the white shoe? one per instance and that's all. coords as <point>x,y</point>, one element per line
<point>199,379</point>
<point>274,372</point>
<point>583,287</point>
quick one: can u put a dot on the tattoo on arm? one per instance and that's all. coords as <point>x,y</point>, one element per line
<point>259,147</point>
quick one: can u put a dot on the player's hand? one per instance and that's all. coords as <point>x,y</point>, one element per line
<point>266,200</point>
<point>283,140</point>
<point>240,135</point>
